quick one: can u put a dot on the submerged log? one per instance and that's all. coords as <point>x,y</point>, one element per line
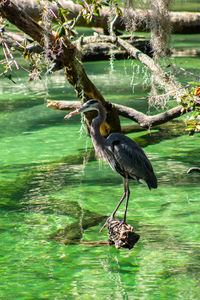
<point>73,233</point>
<point>96,51</point>
<point>92,48</point>
<point>102,50</point>
<point>181,22</point>
<point>119,234</point>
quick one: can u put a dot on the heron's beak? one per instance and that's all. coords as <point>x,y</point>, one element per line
<point>75,112</point>
<point>71,114</point>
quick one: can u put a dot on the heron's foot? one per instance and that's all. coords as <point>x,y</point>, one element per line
<point>106,223</point>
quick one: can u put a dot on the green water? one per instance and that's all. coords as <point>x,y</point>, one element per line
<point>49,179</point>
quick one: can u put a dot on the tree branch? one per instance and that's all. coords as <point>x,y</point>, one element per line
<point>146,121</point>
<point>161,77</point>
<point>26,24</point>
<point>142,119</point>
<point>130,47</point>
<point>93,47</point>
<point>181,22</point>
<point>68,55</point>
<point>22,20</point>
<point>101,47</point>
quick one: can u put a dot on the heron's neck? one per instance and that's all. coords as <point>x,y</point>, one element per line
<point>96,136</point>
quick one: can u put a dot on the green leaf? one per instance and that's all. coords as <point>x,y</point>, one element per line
<point>194,83</point>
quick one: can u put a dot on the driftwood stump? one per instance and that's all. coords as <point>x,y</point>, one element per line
<point>122,235</point>
<point>194,169</point>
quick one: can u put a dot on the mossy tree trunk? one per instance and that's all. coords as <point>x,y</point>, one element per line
<point>65,54</point>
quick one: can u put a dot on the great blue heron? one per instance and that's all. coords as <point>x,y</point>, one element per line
<point>123,155</point>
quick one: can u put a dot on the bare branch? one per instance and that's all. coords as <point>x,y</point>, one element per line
<point>146,121</point>
<point>142,119</point>
<point>63,105</point>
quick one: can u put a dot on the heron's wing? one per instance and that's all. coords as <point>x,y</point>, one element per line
<point>130,158</point>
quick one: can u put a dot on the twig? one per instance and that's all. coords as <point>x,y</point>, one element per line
<point>6,57</point>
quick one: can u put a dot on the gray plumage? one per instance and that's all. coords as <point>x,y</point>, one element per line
<point>130,159</point>
<point>123,155</point>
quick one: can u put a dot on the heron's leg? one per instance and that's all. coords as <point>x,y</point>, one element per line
<point>118,205</point>
<point>127,198</point>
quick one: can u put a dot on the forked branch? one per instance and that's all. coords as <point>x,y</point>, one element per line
<point>140,118</point>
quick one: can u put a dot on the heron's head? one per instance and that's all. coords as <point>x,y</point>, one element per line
<point>89,105</point>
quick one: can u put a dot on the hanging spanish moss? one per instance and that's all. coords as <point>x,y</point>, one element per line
<point>132,21</point>
<point>160,28</point>
<point>47,16</point>
<point>129,22</point>
<point>155,99</point>
<point>160,41</point>
<point>111,29</point>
